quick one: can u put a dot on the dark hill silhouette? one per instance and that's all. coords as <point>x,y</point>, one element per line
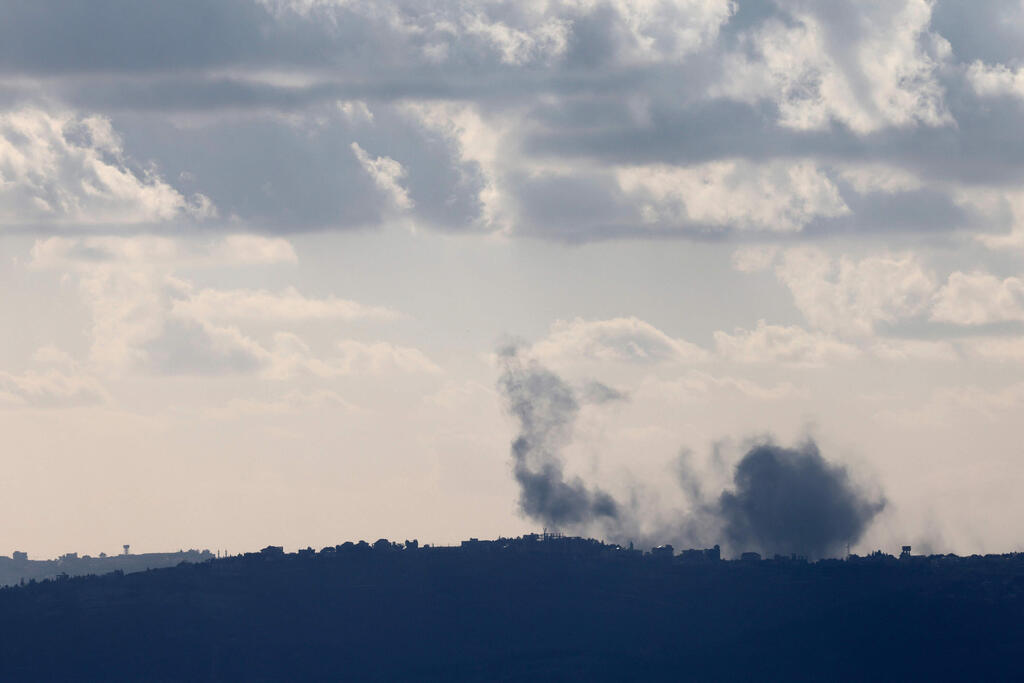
<point>536,608</point>
<point>19,568</point>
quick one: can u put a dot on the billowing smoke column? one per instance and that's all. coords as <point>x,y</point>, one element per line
<point>782,500</point>
<point>793,501</point>
<point>546,408</point>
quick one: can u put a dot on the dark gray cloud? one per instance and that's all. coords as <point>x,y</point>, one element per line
<point>64,36</point>
<point>582,88</point>
<point>791,500</point>
<point>989,30</point>
<point>546,409</point>
<point>283,175</point>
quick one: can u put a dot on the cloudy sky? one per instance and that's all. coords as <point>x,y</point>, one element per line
<point>256,257</point>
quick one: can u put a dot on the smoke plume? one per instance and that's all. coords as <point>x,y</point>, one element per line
<point>782,500</point>
<point>790,500</point>
<point>546,409</point>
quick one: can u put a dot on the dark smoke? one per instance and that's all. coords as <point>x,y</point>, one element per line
<point>793,501</point>
<point>546,408</point>
<point>782,500</point>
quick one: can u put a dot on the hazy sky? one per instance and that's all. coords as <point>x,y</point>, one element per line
<point>257,257</point>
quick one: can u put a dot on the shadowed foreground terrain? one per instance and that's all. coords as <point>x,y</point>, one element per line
<point>537,608</point>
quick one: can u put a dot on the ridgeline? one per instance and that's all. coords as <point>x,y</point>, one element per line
<point>524,609</point>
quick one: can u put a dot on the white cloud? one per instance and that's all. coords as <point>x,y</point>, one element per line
<point>387,175</point>
<point>257,304</point>
<point>996,80</point>
<point>356,111</point>
<point>867,65</point>
<point>659,30</point>
<point>543,41</point>
<point>852,296</point>
<point>750,389</point>
<point>782,344</point>
<point>58,168</point>
<point>617,339</point>
<point>130,289</point>
<point>145,318</point>
<point>978,298</point>
<point>486,144</point>
<point>535,32</point>
<point>241,249</point>
<point>378,357</point>
<point>998,206</point>
<point>867,178</point>
<point>292,355</point>
<point>54,381</point>
<point>775,197</point>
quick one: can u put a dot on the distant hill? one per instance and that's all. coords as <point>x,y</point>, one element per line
<point>529,609</point>
<point>19,568</point>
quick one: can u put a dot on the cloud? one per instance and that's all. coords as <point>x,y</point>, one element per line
<point>566,120</point>
<point>628,340</point>
<point>864,65</point>
<point>261,305</point>
<point>699,385</point>
<point>532,34</point>
<point>999,206</point>
<point>243,249</point>
<point>979,298</point>
<point>379,357</point>
<point>291,356</point>
<point>55,381</point>
<point>600,393</point>
<point>64,169</point>
<point>481,150</point>
<point>387,175</point>
<point>852,296</point>
<point>146,318</point>
<point>782,344</point>
<point>996,80</point>
<point>780,197</point>
<point>184,346</point>
<point>867,178</point>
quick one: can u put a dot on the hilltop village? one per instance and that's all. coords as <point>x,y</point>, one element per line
<point>19,569</point>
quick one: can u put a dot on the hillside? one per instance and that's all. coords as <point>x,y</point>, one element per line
<point>521,609</point>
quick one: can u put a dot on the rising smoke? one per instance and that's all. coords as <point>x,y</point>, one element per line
<point>782,500</point>
<point>790,500</point>
<point>546,409</point>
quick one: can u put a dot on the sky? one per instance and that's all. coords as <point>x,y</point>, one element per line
<point>259,260</point>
